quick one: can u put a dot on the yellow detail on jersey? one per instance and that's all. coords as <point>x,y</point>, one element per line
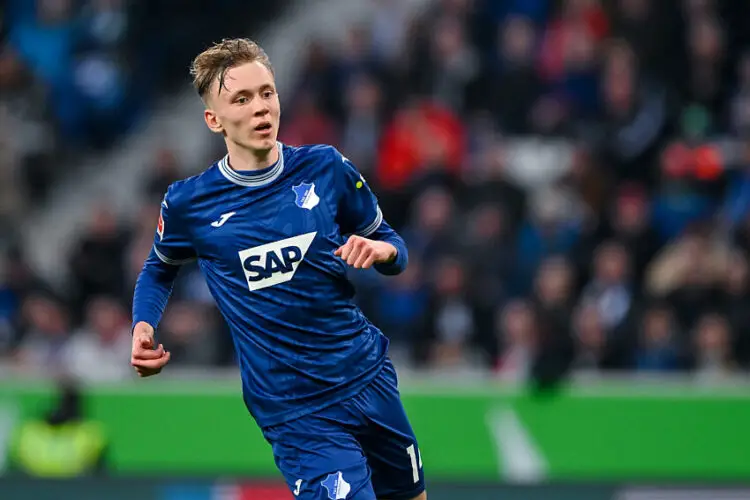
<point>359,184</point>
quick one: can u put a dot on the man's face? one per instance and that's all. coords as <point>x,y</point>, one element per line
<point>247,109</point>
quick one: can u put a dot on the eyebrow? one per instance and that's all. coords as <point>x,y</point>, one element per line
<point>265,86</point>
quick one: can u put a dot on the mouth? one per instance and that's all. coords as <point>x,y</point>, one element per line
<point>263,128</point>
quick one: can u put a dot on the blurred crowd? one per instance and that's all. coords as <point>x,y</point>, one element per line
<point>572,178</point>
<point>73,79</point>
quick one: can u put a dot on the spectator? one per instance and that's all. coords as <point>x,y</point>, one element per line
<point>658,349</point>
<point>610,289</point>
<point>17,283</point>
<point>166,169</point>
<point>634,116</point>
<point>554,297</point>
<point>433,227</point>
<point>309,124</point>
<point>186,333</point>
<point>737,285</point>
<point>401,308</point>
<point>362,122</point>
<point>552,228</point>
<point>518,334</point>
<point>97,260</point>
<point>596,349</point>
<point>23,159</point>
<point>688,274</point>
<point>452,319</point>
<point>97,351</point>
<point>489,256</point>
<point>45,330</point>
<point>510,85</point>
<point>713,339</point>
<point>630,225</point>
<point>423,135</point>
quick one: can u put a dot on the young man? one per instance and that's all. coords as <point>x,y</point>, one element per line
<point>273,228</point>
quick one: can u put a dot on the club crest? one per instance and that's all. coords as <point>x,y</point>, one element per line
<point>336,486</point>
<point>304,195</point>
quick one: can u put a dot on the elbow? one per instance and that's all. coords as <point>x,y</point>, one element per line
<point>155,270</point>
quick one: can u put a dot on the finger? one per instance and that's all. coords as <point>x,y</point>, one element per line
<point>147,371</point>
<point>139,353</point>
<point>146,342</point>
<point>354,255</point>
<point>150,363</point>
<point>360,246</point>
<point>346,249</point>
<point>369,261</point>
<point>143,372</point>
<point>364,254</point>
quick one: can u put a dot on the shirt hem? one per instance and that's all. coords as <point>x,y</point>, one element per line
<point>348,392</point>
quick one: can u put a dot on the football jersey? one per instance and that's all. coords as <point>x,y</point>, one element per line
<point>265,241</point>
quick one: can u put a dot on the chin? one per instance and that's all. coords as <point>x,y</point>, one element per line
<point>261,145</point>
<point>265,142</point>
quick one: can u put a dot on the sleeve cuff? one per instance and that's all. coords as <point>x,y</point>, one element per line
<point>397,265</point>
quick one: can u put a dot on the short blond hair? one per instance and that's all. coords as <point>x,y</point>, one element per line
<point>213,63</point>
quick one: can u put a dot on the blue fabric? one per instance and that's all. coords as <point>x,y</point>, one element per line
<point>265,245</point>
<point>365,442</point>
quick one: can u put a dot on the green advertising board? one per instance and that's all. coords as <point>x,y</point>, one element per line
<point>470,432</point>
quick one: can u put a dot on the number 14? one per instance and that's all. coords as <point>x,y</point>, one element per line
<point>414,457</point>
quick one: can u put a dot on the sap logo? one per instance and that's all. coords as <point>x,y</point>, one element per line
<point>276,262</point>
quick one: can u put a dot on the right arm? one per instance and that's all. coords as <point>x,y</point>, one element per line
<point>171,249</point>
<point>152,290</point>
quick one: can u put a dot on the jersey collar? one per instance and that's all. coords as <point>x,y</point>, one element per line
<point>254,179</point>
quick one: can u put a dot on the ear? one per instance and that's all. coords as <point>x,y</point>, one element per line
<point>212,121</point>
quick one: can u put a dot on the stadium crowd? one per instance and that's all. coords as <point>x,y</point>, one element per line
<point>71,79</point>
<point>572,179</point>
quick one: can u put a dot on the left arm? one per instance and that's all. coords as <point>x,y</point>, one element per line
<point>372,241</point>
<point>384,249</point>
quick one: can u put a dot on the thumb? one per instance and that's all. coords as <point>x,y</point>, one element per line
<point>338,251</point>
<point>147,342</point>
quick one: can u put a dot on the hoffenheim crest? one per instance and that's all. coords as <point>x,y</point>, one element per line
<point>336,486</point>
<point>304,195</point>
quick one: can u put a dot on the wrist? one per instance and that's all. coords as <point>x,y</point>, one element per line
<point>143,327</point>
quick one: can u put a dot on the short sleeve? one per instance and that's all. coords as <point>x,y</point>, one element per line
<point>171,242</point>
<point>358,210</point>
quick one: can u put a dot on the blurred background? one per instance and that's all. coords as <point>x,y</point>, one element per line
<point>572,178</point>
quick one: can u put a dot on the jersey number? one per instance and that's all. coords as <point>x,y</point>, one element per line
<point>414,459</point>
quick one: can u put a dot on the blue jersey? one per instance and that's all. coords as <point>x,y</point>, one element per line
<point>265,243</point>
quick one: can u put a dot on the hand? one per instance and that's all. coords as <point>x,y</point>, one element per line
<point>362,253</point>
<point>145,359</point>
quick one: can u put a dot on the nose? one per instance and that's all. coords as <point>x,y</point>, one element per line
<point>261,107</point>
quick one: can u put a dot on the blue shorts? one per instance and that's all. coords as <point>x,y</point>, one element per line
<point>360,449</point>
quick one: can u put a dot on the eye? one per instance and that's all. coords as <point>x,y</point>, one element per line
<point>242,100</point>
<point>267,94</point>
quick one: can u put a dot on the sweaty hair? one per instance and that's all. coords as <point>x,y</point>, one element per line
<point>215,61</point>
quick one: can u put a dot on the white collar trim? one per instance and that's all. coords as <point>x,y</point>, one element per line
<point>250,180</point>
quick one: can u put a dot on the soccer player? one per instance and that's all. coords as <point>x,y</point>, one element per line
<point>273,229</point>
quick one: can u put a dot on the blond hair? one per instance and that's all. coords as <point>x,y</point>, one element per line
<point>213,63</point>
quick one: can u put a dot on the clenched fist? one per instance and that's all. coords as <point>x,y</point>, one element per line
<point>145,359</point>
<point>362,253</point>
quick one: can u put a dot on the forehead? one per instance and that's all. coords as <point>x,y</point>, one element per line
<point>246,77</point>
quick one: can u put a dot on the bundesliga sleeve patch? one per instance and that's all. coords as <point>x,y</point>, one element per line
<point>160,226</point>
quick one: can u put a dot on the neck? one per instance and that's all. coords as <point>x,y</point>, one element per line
<point>243,159</point>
